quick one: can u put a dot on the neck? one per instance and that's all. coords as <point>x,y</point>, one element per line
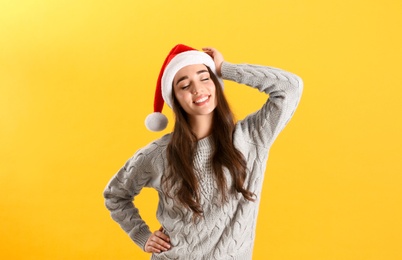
<point>201,125</point>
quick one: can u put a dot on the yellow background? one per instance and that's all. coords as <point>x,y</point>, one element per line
<point>77,80</point>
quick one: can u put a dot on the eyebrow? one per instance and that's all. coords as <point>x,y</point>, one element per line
<point>186,77</point>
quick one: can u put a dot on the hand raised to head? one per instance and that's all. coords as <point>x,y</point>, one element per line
<point>216,56</point>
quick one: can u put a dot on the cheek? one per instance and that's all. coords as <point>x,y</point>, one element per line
<point>212,88</point>
<point>213,91</point>
<point>181,98</point>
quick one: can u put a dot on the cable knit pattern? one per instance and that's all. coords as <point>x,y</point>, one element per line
<point>226,231</point>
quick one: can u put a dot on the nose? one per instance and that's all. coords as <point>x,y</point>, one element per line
<point>196,89</point>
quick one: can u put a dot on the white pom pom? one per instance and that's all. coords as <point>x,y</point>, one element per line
<point>156,122</point>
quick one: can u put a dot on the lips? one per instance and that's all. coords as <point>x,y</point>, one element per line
<point>201,100</point>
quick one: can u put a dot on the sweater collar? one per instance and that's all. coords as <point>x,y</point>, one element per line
<point>205,143</point>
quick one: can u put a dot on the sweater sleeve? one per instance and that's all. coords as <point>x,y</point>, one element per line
<point>284,90</point>
<point>121,191</point>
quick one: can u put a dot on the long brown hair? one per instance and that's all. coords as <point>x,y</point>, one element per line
<point>181,150</point>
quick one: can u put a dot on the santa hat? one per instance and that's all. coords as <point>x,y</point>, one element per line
<point>179,57</point>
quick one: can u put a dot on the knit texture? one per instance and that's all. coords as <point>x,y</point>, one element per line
<point>226,231</point>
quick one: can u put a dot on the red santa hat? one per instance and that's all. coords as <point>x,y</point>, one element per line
<point>180,56</point>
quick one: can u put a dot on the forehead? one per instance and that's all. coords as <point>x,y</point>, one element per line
<point>190,69</point>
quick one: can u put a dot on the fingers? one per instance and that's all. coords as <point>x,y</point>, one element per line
<point>208,50</point>
<point>162,236</point>
<point>216,56</point>
<point>157,242</point>
<point>211,52</point>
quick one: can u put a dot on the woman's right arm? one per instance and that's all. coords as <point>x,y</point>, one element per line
<point>137,173</point>
<point>119,195</point>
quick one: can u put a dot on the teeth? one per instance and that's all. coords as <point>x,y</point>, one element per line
<point>201,100</point>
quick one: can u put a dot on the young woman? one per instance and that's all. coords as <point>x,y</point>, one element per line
<point>209,171</point>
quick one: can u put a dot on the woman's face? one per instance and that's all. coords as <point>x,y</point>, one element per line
<point>195,90</point>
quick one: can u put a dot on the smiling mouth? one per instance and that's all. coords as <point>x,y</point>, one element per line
<point>201,100</point>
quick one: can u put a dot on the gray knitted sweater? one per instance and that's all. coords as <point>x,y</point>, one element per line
<point>226,231</point>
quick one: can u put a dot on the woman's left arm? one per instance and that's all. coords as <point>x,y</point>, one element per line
<point>284,90</point>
